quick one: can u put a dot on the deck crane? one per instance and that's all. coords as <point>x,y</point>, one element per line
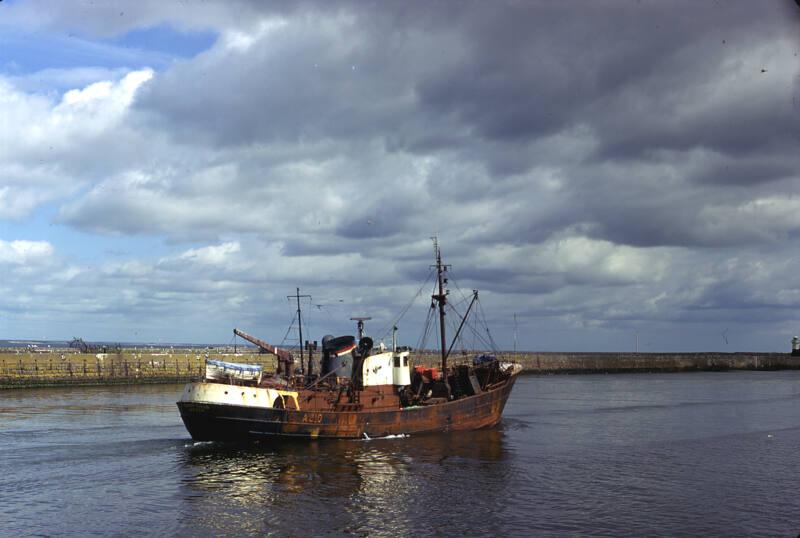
<point>285,358</point>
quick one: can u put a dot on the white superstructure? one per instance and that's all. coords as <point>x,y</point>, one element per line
<point>387,368</point>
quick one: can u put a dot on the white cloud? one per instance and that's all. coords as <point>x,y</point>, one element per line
<point>767,219</point>
<point>648,178</point>
<point>34,123</point>
<point>21,252</point>
<point>219,255</point>
<point>578,260</point>
<point>50,149</point>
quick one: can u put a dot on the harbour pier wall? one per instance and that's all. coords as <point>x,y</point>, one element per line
<point>594,363</point>
<point>30,369</point>
<point>614,362</point>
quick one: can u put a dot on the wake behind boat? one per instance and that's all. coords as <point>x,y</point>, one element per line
<point>362,391</point>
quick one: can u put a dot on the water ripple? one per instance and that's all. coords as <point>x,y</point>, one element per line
<point>660,455</point>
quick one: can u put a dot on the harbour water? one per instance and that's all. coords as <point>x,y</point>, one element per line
<point>702,454</point>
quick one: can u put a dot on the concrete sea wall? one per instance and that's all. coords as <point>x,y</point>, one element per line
<point>27,369</point>
<point>583,363</point>
<point>600,363</point>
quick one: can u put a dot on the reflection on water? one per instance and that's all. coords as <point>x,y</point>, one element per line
<point>377,487</point>
<point>639,455</point>
<point>28,408</point>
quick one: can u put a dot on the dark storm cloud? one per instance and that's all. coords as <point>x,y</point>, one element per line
<point>297,82</point>
<point>762,121</point>
<point>482,84</point>
<point>531,69</point>
<point>422,76</point>
<point>595,164</point>
<point>747,172</point>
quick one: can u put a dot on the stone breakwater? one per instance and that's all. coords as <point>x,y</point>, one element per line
<point>591,363</point>
<point>56,368</point>
<point>607,363</point>
<point>26,369</point>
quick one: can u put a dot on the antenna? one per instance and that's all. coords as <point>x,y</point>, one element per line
<point>515,332</point>
<point>361,321</point>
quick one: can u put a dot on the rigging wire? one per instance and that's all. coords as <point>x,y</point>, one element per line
<point>477,333</point>
<point>459,345</point>
<point>306,325</point>
<point>384,331</point>
<point>464,296</point>
<point>470,323</point>
<point>459,303</point>
<point>327,305</point>
<point>291,326</point>
<point>462,337</point>
<point>482,314</point>
<point>324,308</point>
<point>423,341</point>
<point>288,330</point>
<point>431,322</point>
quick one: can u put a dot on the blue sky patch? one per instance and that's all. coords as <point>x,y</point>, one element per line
<point>24,52</point>
<point>165,39</point>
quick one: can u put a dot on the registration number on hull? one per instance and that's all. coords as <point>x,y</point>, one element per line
<point>311,418</point>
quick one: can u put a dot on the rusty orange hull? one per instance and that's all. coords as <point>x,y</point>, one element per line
<point>225,422</point>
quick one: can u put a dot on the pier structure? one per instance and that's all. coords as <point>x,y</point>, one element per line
<point>24,368</point>
<point>553,362</point>
<point>21,368</point>
<point>602,363</point>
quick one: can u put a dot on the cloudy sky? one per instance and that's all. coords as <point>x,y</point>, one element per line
<point>604,171</point>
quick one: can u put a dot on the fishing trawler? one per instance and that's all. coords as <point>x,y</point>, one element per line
<point>361,391</point>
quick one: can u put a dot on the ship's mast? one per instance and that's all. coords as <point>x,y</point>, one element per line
<point>441,299</point>
<point>299,324</point>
